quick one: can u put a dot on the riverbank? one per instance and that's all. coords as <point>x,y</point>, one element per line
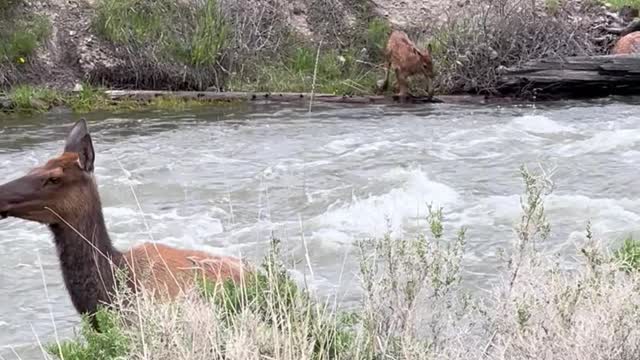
<point>225,180</point>
<point>321,46</point>
<point>535,310</point>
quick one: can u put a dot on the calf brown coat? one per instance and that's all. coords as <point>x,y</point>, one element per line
<point>627,44</point>
<point>406,60</point>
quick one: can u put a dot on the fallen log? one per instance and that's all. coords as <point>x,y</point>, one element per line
<point>574,77</point>
<point>148,95</point>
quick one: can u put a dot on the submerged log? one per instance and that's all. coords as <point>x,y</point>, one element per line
<point>574,77</point>
<point>148,95</point>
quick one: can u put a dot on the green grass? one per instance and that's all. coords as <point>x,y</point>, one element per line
<point>377,34</point>
<point>345,71</point>
<point>28,99</point>
<point>618,4</point>
<point>279,302</point>
<point>193,36</point>
<point>629,254</point>
<point>19,39</point>
<point>338,72</point>
<point>109,344</point>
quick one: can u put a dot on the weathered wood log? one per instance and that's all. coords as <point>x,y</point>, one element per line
<point>574,77</point>
<point>147,95</point>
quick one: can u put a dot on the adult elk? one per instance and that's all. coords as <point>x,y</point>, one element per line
<point>63,195</point>
<point>402,55</point>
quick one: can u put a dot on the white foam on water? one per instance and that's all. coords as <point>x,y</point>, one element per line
<point>538,124</point>
<point>491,210</point>
<point>602,142</point>
<point>376,214</point>
<point>127,226</point>
<point>606,215</point>
<point>630,157</point>
<point>342,145</point>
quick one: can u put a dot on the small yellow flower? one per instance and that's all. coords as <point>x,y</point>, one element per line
<point>21,60</point>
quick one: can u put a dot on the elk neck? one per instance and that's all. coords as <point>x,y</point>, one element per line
<point>86,253</point>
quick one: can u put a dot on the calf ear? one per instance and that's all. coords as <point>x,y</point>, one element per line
<point>79,141</point>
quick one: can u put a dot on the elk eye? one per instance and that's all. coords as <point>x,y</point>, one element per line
<point>52,181</point>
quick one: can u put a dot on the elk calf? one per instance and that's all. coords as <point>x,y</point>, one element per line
<point>407,60</point>
<point>629,41</point>
<point>63,195</point>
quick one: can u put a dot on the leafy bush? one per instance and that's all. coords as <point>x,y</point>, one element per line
<point>341,73</point>
<point>34,99</point>
<point>619,4</point>
<point>378,31</point>
<point>109,344</point>
<point>629,254</point>
<point>24,39</point>
<point>20,36</point>
<point>164,43</point>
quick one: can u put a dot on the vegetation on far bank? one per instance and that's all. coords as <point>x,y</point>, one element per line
<point>21,34</point>
<point>249,45</point>
<point>619,4</point>
<point>29,100</point>
<point>413,306</point>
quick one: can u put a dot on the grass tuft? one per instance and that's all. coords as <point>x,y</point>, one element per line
<point>109,344</point>
<point>175,45</point>
<point>619,4</point>
<point>629,254</point>
<point>20,36</point>
<point>28,99</point>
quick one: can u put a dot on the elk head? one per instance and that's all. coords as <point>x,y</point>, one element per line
<point>62,188</point>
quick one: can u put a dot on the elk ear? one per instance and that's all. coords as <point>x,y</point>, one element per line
<point>79,141</point>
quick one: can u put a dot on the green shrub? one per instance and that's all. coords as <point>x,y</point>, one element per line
<point>6,7</point>
<point>338,72</point>
<point>19,39</point>
<point>192,35</point>
<point>619,4</point>
<point>377,35</point>
<point>34,99</point>
<point>23,39</point>
<point>629,254</point>
<point>20,36</point>
<point>174,44</point>
<point>109,344</point>
<point>280,303</point>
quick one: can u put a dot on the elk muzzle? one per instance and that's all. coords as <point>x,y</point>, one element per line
<point>19,196</point>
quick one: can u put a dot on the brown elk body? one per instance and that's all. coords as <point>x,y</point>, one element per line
<point>629,40</point>
<point>63,195</point>
<point>407,60</point>
<point>627,44</point>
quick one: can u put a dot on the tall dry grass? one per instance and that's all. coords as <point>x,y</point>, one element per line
<point>414,306</point>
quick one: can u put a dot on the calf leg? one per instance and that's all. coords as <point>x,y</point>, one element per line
<point>387,70</point>
<point>403,85</point>
<point>430,87</point>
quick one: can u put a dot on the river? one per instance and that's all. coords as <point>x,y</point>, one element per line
<point>224,179</point>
